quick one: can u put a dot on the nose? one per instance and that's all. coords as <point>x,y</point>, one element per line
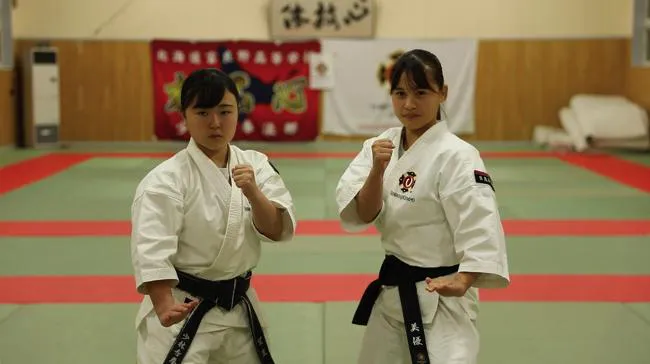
<point>409,103</point>
<point>214,121</point>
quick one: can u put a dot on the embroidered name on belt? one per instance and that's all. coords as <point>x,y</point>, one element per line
<point>482,177</point>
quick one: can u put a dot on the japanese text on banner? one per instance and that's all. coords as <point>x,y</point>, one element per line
<point>277,103</point>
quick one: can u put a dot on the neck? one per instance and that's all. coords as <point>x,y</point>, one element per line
<point>218,156</point>
<point>412,135</point>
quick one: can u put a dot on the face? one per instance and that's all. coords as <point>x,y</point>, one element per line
<point>417,108</point>
<point>215,127</point>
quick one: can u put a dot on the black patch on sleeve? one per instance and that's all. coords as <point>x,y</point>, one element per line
<point>482,177</point>
<point>272,166</point>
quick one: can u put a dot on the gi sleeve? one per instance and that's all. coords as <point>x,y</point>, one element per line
<point>272,186</point>
<point>349,185</point>
<point>469,201</point>
<point>156,222</point>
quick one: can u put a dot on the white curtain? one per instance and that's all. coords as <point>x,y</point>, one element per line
<point>359,105</point>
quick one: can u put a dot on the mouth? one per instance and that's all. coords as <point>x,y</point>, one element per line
<point>214,136</point>
<point>411,116</point>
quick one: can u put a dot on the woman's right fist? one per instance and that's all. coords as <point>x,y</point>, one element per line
<point>382,150</point>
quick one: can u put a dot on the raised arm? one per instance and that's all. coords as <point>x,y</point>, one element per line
<point>274,215</point>
<point>359,193</point>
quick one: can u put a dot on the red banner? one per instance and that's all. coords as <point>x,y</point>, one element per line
<point>273,81</point>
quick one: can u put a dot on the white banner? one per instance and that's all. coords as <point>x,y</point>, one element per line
<point>360,103</point>
<point>321,71</point>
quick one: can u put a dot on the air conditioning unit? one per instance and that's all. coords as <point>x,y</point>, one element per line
<point>41,97</point>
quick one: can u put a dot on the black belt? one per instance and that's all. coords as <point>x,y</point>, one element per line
<point>394,272</point>
<point>226,294</point>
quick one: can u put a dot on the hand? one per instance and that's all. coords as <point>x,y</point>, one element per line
<point>454,286</point>
<point>382,150</point>
<point>175,313</point>
<point>244,178</point>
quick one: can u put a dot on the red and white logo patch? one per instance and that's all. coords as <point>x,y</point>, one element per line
<point>407,181</point>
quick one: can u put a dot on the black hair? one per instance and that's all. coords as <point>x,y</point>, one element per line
<point>205,88</point>
<point>415,63</point>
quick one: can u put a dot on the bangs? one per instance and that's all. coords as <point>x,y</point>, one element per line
<point>206,88</point>
<point>206,96</point>
<point>415,71</point>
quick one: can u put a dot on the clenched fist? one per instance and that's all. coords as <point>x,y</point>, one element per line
<point>244,178</point>
<point>382,150</point>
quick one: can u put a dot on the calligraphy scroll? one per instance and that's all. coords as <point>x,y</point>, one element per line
<point>307,19</point>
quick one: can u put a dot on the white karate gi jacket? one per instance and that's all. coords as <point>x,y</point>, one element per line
<point>185,214</point>
<point>439,209</point>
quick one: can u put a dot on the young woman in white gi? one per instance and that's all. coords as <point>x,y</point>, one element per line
<point>432,200</point>
<point>198,220</point>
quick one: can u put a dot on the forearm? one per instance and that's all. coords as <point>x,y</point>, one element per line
<point>467,278</point>
<point>369,198</point>
<point>266,216</point>
<point>160,293</point>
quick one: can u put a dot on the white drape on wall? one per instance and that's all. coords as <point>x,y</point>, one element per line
<point>360,105</point>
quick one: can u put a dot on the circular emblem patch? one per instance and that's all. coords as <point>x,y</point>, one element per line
<point>407,181</point>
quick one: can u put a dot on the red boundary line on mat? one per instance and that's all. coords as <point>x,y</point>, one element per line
<point>628,173</point>
<point>30,171</point>
<point>23,173</point>
<point>18,175</point>
<point>330,288</point>
<point>332,227</point>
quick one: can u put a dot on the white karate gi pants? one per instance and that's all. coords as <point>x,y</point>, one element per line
<point>211,345</point>
<point>452,337</point>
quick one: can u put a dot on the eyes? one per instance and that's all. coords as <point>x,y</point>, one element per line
<point>401,93</point>
<point>205,113</point>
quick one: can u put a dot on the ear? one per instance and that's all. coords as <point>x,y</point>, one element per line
<point>444,93</point>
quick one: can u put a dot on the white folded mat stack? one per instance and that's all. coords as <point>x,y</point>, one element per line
<point>598,121</point>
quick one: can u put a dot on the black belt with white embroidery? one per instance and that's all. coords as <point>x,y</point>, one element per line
<point>394,272</point>
<point>227,294</point>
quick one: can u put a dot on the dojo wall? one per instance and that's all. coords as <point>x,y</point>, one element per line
<point>533,55</point>
<point>210,19</point>
<point>7,131</point>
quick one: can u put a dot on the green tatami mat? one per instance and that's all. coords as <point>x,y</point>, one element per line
<point>99,189</point>
<point>10,156</point>
<point>307,147</point>
<point>527,255</point>
<point>65,256</point>
<point>329,255</point>
<point>105,333</point>
<point>528,333</point>
<point>70,334</point>
<point>102,189</point>
<point>7,310</point>
<point>563,333</point>
<point>643,159</point>
<point>532,333</point>
<point>552,189</point>
<point>642,310</point>
<point>295,332</point>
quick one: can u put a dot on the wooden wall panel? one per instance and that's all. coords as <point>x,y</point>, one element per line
<point>106,90</point>
<point>107,85</point>
<point>638,86</point>
<point>7,119</point>
<point>524,83</point>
